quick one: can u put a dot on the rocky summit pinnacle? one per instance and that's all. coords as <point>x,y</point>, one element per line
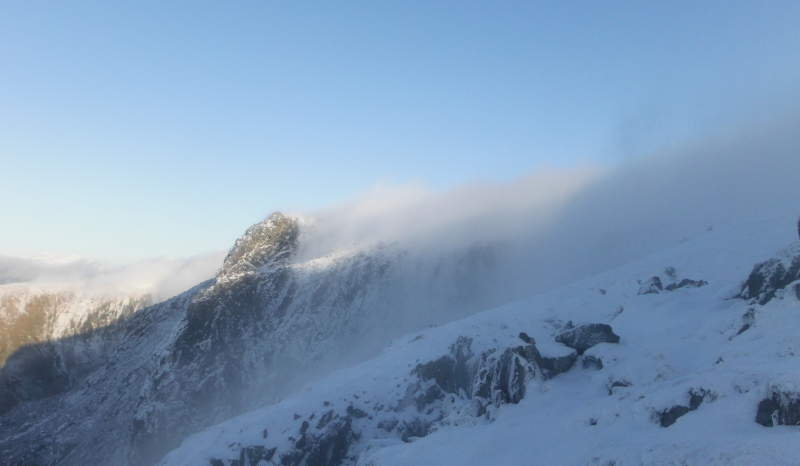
<point>265,242</point>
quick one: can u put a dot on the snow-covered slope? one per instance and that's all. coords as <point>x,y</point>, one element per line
<point>694,369</point>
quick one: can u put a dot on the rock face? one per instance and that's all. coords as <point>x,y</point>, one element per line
<point>584,337</point>
<point>768,277</point>
<point>779,408</point>
<point>263,326</point>
<point>686,283</point>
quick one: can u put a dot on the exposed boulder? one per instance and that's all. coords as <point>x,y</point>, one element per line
<point>768,277</point>
<point>552,366</point>
<point>497,375</point>
<point>652,286</point>
<point>779,408</point>
<point>584,337</point>
<point>669,416</point>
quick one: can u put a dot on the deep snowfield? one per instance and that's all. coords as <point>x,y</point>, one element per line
<point>671,342</point>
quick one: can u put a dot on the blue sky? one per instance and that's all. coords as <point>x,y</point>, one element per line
<point>130,130</point>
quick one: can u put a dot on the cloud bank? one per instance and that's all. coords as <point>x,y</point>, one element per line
<point>161,278</point>
<point>555,227</point>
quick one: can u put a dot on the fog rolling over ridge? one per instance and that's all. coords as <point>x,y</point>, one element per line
<point>549,228</point>
<point>300,296</point>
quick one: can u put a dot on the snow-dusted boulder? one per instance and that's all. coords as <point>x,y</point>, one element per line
<point>651,286</point>
<point>584,337</point>
<point>668,416</point>
<point>781,407</point>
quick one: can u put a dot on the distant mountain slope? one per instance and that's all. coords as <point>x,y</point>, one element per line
<point>51,337</point>
<point>702,366</point>
<point>59,319</point>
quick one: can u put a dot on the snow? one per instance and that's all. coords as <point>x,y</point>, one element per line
<point>672,342</point>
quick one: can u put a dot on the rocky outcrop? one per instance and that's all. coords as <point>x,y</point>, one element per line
<point>686,283</point>
<point>460,387</point>
<point>655,285</point>
<point>769,277</point>
<point>584,337</point>
<point>780,408</point>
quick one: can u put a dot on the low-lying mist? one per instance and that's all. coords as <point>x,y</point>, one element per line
<point>161,278</point>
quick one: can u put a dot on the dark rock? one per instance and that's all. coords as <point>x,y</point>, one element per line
<point>450,371</point>
<point>257,453</point>
<point>524,337</point>
<point>326,449</point>
<point>652,286</point>
<point>584,337</point>
<point>552,366</point>
<point>768,277</point>
<point>502,374</point>
<point>592,362</point>
<point>748,320</point>
<point>325,419</point>
<point>496,375</point>
<point>686,283</point>
<point>696,397</point>
<point>671,415</point>
<point>388,424</point>
<point>415,428</point>
<point>617,383</point>
<point>355,412</point>
<point>780,408</point>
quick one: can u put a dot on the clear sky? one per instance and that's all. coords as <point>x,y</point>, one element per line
<point>137,129</point>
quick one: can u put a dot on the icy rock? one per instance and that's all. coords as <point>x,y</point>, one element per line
<point>768,277</point>
<point>780,408</point>
<point>497,375</point>
<point>584,337</point>
<point>686,283</point>
<point>669,416</point>
<point>652,286</point>
<point>449,371</point>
